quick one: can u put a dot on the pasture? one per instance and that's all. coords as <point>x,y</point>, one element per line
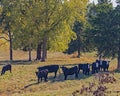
<point>23,82</point>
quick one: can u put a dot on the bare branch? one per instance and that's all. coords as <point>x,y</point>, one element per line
<point>4,38</point>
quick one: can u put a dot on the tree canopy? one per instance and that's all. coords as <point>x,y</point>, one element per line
<point>47,21</point>
<point>104,30</point>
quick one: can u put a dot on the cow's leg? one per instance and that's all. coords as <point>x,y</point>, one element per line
<point>107,69</point>
<point>92,71</point>
<point>78,70</point>
<point>41,79</point>
<point>10,70</point>
<point>38,80</point>
<point>76,75</point>
<point>83,71</point>
<point>104,69</point>
<point>88,72</point>
<point>65,77</point>
<point>55,74</point>
<point>45,78</point>
<point>96,70</point>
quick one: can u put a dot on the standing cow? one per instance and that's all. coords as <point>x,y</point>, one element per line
<point>80,67</point>
<point>50,68</point>
<point>70,71</point>
<point>85,68</point>
<point>103,65</point>
<point>42,74</point>
<point>5,68</point>
<point>95,67</point>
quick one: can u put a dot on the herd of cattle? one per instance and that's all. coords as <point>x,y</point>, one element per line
<point>95,67</point>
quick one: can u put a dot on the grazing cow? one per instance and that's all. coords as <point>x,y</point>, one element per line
<point>50,68</point>
<point>70,71</point>
<point>95,67</point>
<point>42,74</point>
<point>85,68</point>
<point>6,68</point>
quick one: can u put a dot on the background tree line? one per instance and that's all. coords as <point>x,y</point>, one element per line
<point>61,25</point>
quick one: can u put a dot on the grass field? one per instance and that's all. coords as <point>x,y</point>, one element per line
<point>23,82</point>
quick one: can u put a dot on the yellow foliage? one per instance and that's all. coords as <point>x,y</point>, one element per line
<point>3,45</point>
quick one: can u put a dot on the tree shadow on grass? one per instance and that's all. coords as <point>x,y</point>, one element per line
<point>17,62</point>
<point>30,85</point>
<point>116,70</point>
<point>60,77</point>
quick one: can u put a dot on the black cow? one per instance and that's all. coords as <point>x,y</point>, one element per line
<point>50,68</point>
<point>85,68</point>
<point>100,64</point>
<point>70,71</point>
<point>80,67</point>
<point>42,74</point>
<point>6,68</point>
<point>103,65</point>
<point>95,67</point>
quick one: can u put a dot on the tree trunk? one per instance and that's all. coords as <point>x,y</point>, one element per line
<point>118,66</point>
<point>46,54</point>
<point>79,46</point>
<point>38,56</point>
<point>30,52</point>
<point>100,57</point>
<point>11,51</point>
<point>78,51</point>
<point>44,49</point>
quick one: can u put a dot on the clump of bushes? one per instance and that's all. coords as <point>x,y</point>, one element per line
<point>97,87</point>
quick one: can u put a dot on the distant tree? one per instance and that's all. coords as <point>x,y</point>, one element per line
<point>25,31</point>
<point>100,21</point>
<point>58,31</point>
<point>77,17</point>
<point>105,29</point>
<point>115,34</point>
<point>77,44</point>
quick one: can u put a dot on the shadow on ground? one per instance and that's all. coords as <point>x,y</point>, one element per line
<point>59,78</point>
<point>17,62</point>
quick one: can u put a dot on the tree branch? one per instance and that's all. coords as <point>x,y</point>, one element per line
<point>4,38</point>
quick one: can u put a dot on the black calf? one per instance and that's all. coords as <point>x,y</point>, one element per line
<point>42,74</point>
<point>6,68</point>
<point>70,71</point>
<point>50,68</point>
<point>85,68</point>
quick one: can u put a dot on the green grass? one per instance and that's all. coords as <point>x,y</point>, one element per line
<point>23,82</point>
